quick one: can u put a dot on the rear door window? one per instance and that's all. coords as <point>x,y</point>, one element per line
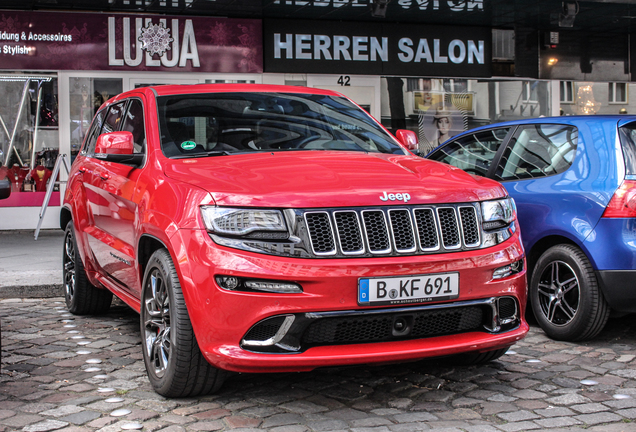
<point>473,153</point>
<point>538,150</point>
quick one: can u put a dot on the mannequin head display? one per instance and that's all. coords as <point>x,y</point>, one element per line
<point>86,97</point>
<point>443,123</point>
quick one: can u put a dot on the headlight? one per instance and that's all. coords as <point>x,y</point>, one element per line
<point>252,223</point>
<point>498,214</point>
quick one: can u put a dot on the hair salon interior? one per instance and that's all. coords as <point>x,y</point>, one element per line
<point>437,67</point>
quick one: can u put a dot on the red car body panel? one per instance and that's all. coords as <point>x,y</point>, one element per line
<point>219,328</point>
<point>307,179</point>
<point>115,206</point>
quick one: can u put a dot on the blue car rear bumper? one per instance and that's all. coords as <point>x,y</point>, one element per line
<point>619,288</point>
<point>612,249</point>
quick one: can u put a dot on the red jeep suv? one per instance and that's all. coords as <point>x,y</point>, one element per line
<point>268,228</point>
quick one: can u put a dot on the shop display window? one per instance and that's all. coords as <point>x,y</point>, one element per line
<point>29,141</point>
<point>437,109</point>
<point>86,96</point>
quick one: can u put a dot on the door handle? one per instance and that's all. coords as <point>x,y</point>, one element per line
<point>104,176</point>
<point>82,169</point>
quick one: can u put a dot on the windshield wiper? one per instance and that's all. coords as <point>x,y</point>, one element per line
<point>204,154</point>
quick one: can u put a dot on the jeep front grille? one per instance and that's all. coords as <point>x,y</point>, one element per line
<point>409,230</point>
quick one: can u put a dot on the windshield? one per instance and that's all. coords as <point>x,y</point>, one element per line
<point>226,123</point>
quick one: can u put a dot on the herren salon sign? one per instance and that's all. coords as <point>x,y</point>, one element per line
<point>84,41</point>
<point>375,49</point>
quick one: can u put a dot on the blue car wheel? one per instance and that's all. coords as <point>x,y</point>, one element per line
<point>565,296</point>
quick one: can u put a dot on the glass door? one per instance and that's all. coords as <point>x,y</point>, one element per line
<point>134,83</point>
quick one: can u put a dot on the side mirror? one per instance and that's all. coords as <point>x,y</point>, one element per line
<point>408,139</point>
<point>115,143</point>
<point>117,147</point>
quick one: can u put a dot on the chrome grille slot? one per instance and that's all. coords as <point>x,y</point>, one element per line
<point>349,232</point>
<point>321,233</point>
<point>426,229</point>
<point>450,227</point>
<point>376,231</point>
<point>470,229</point>
<point>402,230</point>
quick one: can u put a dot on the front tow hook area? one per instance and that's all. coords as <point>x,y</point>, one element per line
<point>402,325</point>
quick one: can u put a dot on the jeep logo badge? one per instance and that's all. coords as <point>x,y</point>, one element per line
<point>396,197</point>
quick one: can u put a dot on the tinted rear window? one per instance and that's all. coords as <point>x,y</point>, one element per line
<point>627,135</point>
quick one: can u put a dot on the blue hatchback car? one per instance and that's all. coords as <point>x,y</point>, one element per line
<point>574,182</point>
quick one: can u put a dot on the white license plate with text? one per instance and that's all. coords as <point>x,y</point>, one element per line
<point>408,289</point>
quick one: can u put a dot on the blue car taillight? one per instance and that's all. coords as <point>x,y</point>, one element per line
<point>623,203</point>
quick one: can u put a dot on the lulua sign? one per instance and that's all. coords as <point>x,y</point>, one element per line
<point>90,41</point>
<point>145,41</point>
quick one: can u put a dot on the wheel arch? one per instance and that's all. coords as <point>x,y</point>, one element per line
<point>65,217</point>
<point>543,245</point>
<point>148,244</point>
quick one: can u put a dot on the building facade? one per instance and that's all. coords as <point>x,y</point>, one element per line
<point>58,67</point>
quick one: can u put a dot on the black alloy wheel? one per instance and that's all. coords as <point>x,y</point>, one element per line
<point>566,299</point>
<point>559,293</point>
<point>157,324</point>
<point>174,362</point>
<point>82,298</point>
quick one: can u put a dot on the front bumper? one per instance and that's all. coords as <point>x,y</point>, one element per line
<point>221,318</point>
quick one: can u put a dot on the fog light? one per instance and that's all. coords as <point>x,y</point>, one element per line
<point>507,270</point>
<point>249,285</point>
<point>228,282</point>
<point>277,287</point>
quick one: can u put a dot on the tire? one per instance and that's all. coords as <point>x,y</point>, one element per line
<point>174,362</point>
<point>477,358</point>
<point>566,300</point>
<point>82,298</point>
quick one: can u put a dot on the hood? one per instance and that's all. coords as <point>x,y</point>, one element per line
<point>313,179</point>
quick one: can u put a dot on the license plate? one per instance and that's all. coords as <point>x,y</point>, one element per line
<point>408,289</point>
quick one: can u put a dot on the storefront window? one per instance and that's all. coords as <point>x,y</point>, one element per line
<point>440,108</point>
<point>28,136</point>
<point>86,96</point>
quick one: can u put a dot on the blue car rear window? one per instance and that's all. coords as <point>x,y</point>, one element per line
<point>628,144</point>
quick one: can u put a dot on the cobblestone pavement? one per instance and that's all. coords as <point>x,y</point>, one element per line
<point>67,373</point>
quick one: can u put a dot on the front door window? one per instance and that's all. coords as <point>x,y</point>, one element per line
<point>86,96</point>
<point>538,151</point>
<point>472,153</point>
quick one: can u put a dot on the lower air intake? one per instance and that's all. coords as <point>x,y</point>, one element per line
<point>356,329</point>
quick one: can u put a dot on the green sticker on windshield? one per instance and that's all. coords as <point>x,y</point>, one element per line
<point>188,145</point>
